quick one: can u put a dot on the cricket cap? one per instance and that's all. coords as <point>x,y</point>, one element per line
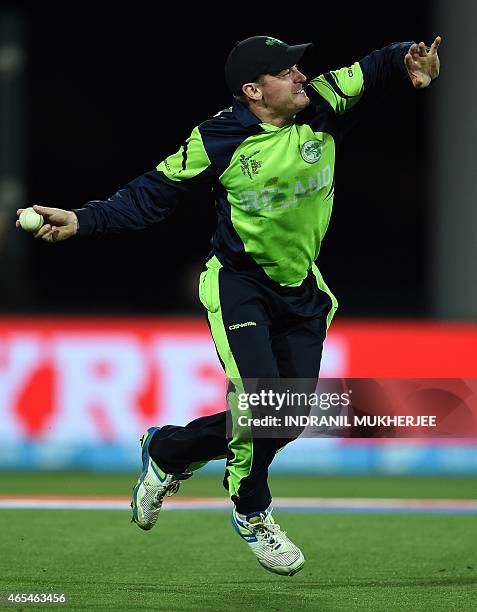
<point>259,55</point>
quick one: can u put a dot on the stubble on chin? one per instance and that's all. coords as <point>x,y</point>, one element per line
<point>304,103</point>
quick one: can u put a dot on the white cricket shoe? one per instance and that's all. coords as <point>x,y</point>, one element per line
<point>151,487</point>
<point>274,551</point>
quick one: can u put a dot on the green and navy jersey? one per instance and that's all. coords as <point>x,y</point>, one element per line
<point>273,186</point>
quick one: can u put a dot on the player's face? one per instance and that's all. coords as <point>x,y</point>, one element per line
<point>284,93</point>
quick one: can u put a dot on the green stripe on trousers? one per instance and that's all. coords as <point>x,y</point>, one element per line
<point>240,445</point>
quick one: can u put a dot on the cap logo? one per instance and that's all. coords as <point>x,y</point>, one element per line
<point>311,151</point>
<point>273,41</point>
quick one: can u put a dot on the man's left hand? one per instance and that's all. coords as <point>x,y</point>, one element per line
<point>422,65</point>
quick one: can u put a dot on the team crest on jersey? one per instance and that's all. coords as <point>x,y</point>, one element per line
<point>311,151</point>
<point>250,166</point>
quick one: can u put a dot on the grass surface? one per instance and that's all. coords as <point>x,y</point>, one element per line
<point>210,485</point>
<point>194,561</point>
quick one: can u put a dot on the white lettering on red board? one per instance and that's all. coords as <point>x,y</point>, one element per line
<point>95,387</point>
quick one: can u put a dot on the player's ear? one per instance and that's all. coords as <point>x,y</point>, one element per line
<point>252,91</point>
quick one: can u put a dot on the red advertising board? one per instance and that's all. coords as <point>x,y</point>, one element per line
<point>95,380</point>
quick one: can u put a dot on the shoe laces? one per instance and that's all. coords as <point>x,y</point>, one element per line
<point>168,490</point>
<point>267,533</point>
<point>173,488</point>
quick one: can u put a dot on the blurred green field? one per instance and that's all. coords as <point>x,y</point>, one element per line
<point>195,561</point>
<point>86,483</point>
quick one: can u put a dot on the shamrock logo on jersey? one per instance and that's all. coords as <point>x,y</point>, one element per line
<point>311,151</point>
<point>273,41</point>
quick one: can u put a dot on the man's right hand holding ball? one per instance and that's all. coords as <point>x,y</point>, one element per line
<point>59,224</point>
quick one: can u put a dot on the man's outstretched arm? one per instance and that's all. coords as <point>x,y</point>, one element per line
<point>146,200</point>
<point>371,76</point>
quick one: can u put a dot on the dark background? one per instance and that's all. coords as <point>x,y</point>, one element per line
<point>112,94</point>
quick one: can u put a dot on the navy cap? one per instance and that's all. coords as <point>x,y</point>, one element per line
<point>259,55</point>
